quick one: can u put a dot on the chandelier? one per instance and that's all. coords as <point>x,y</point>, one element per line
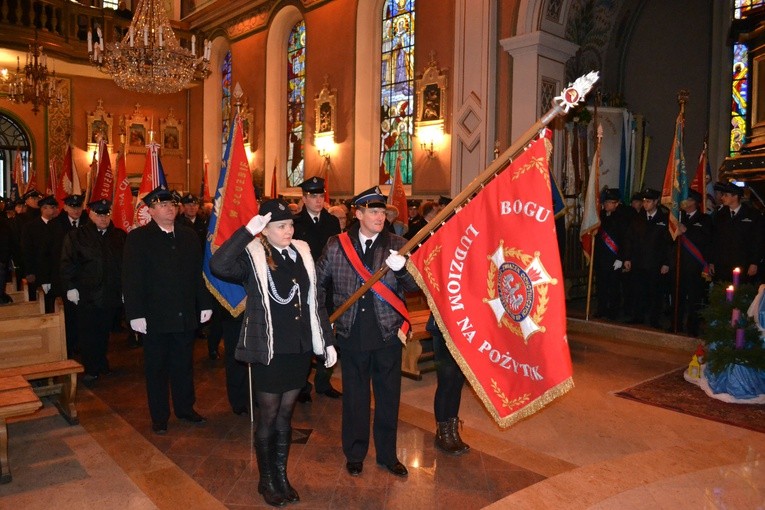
<point>149,58</point>
<point>34,84</point>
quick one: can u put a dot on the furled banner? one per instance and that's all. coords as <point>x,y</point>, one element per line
<point>493,278</point>
<point>122,212</point>
<point>234,206</point>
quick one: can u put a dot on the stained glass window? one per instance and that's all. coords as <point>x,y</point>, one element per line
<point>225,106</point>
<point>295,103</point>
<point>397,90</point>
<point>739,98</point>
<point>741,8</point>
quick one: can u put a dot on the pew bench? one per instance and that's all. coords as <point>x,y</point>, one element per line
<point>22,309</point>
<point>55,377</point>
<point>16,399</point>
<point>412,354</point>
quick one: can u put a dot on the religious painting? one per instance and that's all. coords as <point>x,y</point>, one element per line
<point>431,103</point>
<point>136,128</point>
<point>99,125</point>
<point>326,107</point>
<point>397,90</point>
<point>171,131</point>
<point>247,115</point>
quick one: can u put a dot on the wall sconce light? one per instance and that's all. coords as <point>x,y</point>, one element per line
<point>430,137</point>
<point>4,74</point>
<point>325,144</point>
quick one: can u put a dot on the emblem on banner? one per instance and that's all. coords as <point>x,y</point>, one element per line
<point>517,290</point>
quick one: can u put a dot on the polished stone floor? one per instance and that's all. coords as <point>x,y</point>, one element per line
<point>588,449</point>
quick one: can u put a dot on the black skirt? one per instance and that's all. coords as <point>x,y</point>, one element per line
<point>285,372</point>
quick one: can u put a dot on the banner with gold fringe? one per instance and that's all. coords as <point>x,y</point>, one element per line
<point>492,276</point>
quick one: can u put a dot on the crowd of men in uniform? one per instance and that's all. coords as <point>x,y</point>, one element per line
<point>636,261</point>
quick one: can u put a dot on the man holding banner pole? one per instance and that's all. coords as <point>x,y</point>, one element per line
<point>370,335</point>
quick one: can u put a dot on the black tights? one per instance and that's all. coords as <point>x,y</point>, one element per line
<point>275,411</point>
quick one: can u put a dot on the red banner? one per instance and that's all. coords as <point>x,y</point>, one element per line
<point>103,188</point>
<point>493,278</point>
<point>122,210</point>
<point>397,194</point>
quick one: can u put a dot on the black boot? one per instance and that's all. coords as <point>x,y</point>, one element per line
<point>282,453</point>
<point>444,440</point>
<point>454,424</point>
<point>267,486</point>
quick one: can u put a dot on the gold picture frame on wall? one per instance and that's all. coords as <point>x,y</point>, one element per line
<point>171,135</point>
<point>248,129</point>
<point>137,128</point>
<point>431,94</point>
<point>99,125</point>
<point>326,109</point>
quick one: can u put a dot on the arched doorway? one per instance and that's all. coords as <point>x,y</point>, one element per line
<point>13,139</point>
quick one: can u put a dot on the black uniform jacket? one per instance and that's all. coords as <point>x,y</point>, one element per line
<point>648,244</point>
<point>162,278</point>
<point>699,232</point>
<point>316,234</point>
<point>737,241</point>
<point>37,239</point>
<point>92,264</point>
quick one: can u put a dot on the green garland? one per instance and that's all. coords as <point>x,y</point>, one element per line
<point>719,336</point>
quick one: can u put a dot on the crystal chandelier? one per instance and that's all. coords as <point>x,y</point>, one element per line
<point>34,84</point>
<point>149,58</point>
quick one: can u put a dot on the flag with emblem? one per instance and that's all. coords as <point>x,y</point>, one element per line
<point>69,180</point>
<point>234,206</point>
<point>675,189</point>
<point>493,279</point>
<point>699,182</point>
<point>104,181</point>
<point>153,176</point>
<point>122,211</point>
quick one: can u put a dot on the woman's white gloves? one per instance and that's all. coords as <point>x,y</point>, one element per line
<point>256,225</point>
<point>331,357</point>
<point>395,261</point>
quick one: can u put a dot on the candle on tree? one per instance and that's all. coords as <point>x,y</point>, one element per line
<point>736,276</point>
<point>735,316</point>
<point>729,293</point>
<point>740,338</point>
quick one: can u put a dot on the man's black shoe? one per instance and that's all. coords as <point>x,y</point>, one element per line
<point>332,393</point>
<point>304,397</point>
<point>193,417</point>
<point>396,468</point>
<point>159,428</point>
<point>354,468</point>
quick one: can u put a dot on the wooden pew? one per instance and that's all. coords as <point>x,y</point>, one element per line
<point>34,347</point>
<point>16,399</point>
<point>22,308</point>
<point>412,354</point>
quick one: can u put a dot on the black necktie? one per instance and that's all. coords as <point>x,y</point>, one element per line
<point>367,245</point>
<point>74,223</point>
<point>102,232</point>
<point>316,219</point>
<point>286,255</point>
<point>733,214</point>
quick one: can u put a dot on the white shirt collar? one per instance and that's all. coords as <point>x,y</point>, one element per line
<point>363,238</point>
<point>736,210</point>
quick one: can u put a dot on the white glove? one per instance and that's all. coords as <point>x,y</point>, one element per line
<point>395,261</point>
<point>45,287</point>
<point>138,325</point>
<point>617,265</point>
<point>205,315</point>
<point>73,295</point>
<point>256,225</point>
<point>331,357</point>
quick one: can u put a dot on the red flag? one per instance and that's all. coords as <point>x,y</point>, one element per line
<point>699,182</point>
<point>90,177</point>
<point>397,195</point>
<point>122,211</point>
<point>273,182</point>
<point>235,205</point>
<point>104,185</point>
<point>591,213</point>
<point>153,176</point>
<point>493,278</point>
<point>69,180</point>
<point>18,177</point>
<point>205,191</point>
<point>32,184</point>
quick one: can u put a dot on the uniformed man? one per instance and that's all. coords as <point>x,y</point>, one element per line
<point>165,300</point>
<point>609,254</point>
<point>413,212</point>
<point>191,218</point>
<point>37,247</point>
<point>315,226</point>
<point>367,333</point>
<point>428,211</point>
<point>647,257</point>
<point>736,237</point>
<point>91,270</point>
<point>695,247</point>
<point>16,222</point>
<point>70,219</point>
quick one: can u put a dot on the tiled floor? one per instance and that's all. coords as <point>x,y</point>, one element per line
<point>588,449</point>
